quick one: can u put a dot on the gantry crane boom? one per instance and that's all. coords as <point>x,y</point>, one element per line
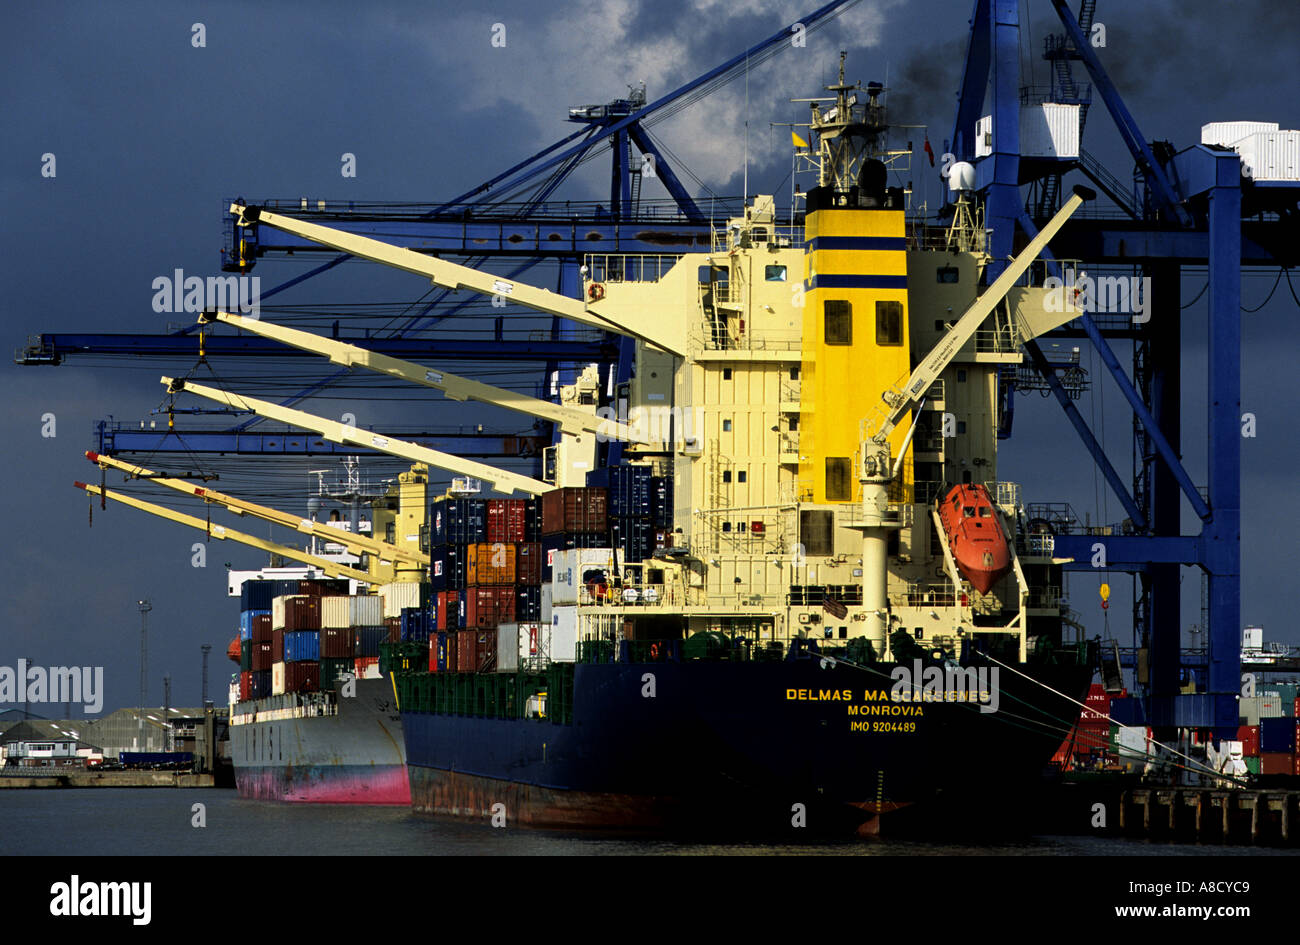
<point>499,479</point>
<point>649,326</point>
<point>356,544</point>
<point>569,420</point>
<point>907,397</point>
<point>223,533</point>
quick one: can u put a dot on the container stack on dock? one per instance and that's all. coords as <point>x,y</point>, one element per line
<point>1270,730</point>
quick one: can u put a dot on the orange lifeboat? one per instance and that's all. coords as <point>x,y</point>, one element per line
<point>232,651</point>
<point>975,535</point>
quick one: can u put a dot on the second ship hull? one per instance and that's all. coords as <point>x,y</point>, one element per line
<point>285,750</point>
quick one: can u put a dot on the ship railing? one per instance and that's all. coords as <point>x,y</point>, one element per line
<point>1047,597</point>
<point>631,595</point>
<point>928,595</point>
<point>629,267</point>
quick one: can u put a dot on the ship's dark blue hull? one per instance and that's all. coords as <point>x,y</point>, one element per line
<point>699,744</point>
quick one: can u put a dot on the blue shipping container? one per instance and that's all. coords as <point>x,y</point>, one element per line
<point>302,645</point>
<point>367,639</point>
<point>260,686</point>
<point>256,595</point>
<point>458,521</point>
<point>1277,735</point>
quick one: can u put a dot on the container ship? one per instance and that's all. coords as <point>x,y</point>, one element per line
<point>769,578</point>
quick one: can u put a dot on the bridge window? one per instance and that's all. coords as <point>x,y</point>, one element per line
<point>839,322</point>
<point>815,532</point>
<point>774,273</point>
<point>947,274</point>
<point>889,323</point>
<point>838,487</point>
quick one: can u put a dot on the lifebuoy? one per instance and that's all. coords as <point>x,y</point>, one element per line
<point>595,292</point>
<point>654,651</point>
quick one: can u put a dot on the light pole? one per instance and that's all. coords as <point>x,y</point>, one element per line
<point>145,607</point>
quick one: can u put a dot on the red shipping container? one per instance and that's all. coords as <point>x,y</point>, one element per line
<point>394,625</point>
<point>453,652</point>
<point>277,643</point>
<point>489,563</point>
<point>302,676</point>
<point>574,509</point>
<point>245,686</point>
<point>365,662</point>
<point>1248,735</point>
<point>1276,762</point>
<point>336,643</point>
<point>528,563</point>
<point>506,519</point>
<point>485,607</point>
<point>326,588</point>
<point>302,613</point>
<point>476,651</point>
<point>263,656</point>
<point>448,604</point>
<point>262,632</point>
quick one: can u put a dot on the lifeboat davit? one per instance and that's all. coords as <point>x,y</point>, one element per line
<point>975,536</point>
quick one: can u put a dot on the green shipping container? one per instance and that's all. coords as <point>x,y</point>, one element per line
<point>1252,765</point>
<point>246,655</point>
<point>331,667</point>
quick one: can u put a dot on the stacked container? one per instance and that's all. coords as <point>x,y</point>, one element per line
<point>573,518</point>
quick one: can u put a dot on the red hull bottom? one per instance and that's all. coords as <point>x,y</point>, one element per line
<point>375,785</point>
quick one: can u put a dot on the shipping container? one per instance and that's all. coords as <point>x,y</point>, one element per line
<point>246,655</point>
<point>1252,763</point>
<point>277,644</point>
<point>360,610</point>
<point>367,667</point>
<point>260,684</point>
<point>300,645</point>
<point>574,510</point>
<point>661,502</point>
<point>488,564</point>
<point>507,660</point>
<point>332,669</point>
<point>415,624</point>
<point>507,520</point>
<point>1248,735</point>
<point>1270,155</point>
<point>298,612</point>
<point>262,628</point>
<point>324,587</point>
<point>528,563</point>
<point>522,645</point>
<point>548,598</point>
<point>627,488</point>
<point>458,521</point>
<point>263,656</point>
<point>287,587</point>
<point>1228,133</point>
<point>245,685</point>
<point>635,538</point>
<point>564,634</point>
<point>399,596</point>
<point>302,676</point>
<point>533,519</point>
<point>488,606</point>
<point>336,643</point>
<point>256,596</point>
<point>1276,762</point>
<point>450,658</point>
<point>447,568</point>
<point>448,613</point>
<point>1049,130</point>
<point>528,603</point>
<point>476,651</point>
<point>581,572</point>
<point>1286,693</point>
<point>394,625</point>
<point>248,624</point>
<point>367,640</point>
<point>277,678</point>
<point>1277,735</point>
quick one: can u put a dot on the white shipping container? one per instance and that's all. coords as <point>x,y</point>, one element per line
<point>399,595</point>
<point>1228,133</point>
<point>1270,155</point>
<point>1049,130</point>
<point>507,647</point>
<point>564,634</point>
<point>572,568</point>
<point>277,613</point>
<point>1253,638</point>
<point>548,600</point>
<point>340,613</point>
<point>277,678</point>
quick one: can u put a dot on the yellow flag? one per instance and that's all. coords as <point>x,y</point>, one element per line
<point>798,142</point>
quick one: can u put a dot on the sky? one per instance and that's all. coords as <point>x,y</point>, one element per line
<point>151,132</point>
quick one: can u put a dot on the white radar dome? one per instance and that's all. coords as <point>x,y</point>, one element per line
<point>961,176</point>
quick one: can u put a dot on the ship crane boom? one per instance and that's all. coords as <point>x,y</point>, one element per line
<point>902,400</point>
<point>648,325</point>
